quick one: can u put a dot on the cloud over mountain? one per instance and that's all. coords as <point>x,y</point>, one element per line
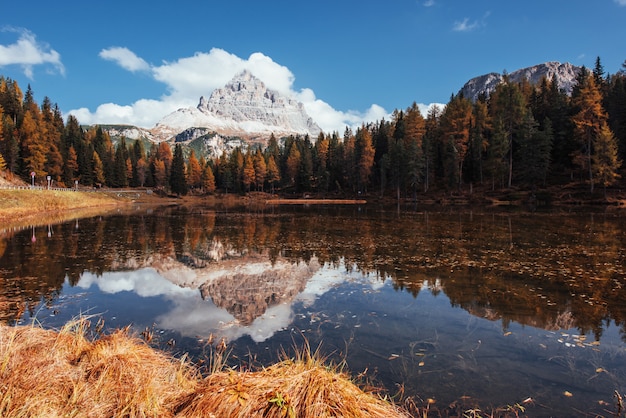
<point>188,78</point>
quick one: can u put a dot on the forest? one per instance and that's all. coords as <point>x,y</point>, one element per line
<point>521,136</point>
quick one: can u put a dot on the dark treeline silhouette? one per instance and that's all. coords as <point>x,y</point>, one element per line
<point>520,136</point>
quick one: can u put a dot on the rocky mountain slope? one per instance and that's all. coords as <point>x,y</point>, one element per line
<point>244,107</point>
<point>565,75</point>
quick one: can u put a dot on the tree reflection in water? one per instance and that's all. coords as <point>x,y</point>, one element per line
<point>549,271</point>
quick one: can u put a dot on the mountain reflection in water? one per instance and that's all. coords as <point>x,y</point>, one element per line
<point>248,302</point>
<point>492,306</point>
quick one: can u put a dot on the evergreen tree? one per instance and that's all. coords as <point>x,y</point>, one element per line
<point>160,174</point>
<point>120,176</point>
<point>496,163</point>
<point>71,167</point>
<point>293,164</point>
<point>605,160</point>
<point>208,179</point>
<point>365,156</point>
<point>178,184</point>
<point>260,169</point>
<point>534,151</point>
<point>455,131</point>
<point>98,169</point>
<point>33,149</point>
<point>194,171</point>
<point>478,141</point>
<point>273,173</point>
<point>321,152</point>
<point>508,106</point>
<point>429,143</point>
<point>589,121</point>
<point>225,174</point>
<point>598,72</point>
<point>415,126</point>
<point>248,172</point>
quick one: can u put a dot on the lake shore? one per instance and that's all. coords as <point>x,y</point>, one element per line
<point>67,373</point>
<point>25,206</point>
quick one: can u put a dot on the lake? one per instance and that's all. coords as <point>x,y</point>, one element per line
<point>454,307</point>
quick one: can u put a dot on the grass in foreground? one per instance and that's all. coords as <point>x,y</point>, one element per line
<point>44,373</point>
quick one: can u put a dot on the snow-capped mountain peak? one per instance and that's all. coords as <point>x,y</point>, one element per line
<point>244,107</point>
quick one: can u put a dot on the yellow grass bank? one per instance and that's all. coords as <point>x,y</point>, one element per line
<point>29,204</point>
<point>44,373</point>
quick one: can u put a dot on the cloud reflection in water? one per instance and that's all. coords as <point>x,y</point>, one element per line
<point>194,316</point>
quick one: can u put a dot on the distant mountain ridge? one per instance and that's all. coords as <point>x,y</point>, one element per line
<point>565,73</point>
<point>246,112</point>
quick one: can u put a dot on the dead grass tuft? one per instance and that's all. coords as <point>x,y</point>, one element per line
<point>46,373</point>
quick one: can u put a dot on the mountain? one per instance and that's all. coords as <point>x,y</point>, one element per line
<point>565,75</point>
<point>244,108</point>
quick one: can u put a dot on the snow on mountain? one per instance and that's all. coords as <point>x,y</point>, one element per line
<point>565,75</point>
<point>245,107</point>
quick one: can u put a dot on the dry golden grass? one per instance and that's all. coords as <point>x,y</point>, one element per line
<point>45,373</point>
<point>25,203</point>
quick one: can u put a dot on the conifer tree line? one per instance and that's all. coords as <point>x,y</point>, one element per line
<point>521,136</point>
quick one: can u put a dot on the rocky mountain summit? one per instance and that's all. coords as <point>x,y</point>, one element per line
<point>245,108</point>
<point>565,75</point>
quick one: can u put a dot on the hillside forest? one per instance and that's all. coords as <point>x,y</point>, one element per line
<point>522,136</point>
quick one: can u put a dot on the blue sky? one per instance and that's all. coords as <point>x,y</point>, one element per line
<point>348,61</point>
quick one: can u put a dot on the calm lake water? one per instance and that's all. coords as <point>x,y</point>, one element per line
<point>466,308</point>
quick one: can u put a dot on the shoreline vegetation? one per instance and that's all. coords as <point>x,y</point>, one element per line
<point>46,373</point>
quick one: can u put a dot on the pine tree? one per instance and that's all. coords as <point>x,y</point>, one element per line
<point>273,173</point>
<point>178,184</point>
<point>478,142</point>
<point>71,167</point>
<point>160,174</point>
<point>534,151</point>
<point>248,172</point>
<point>605,160</point>
<point>508,105</point>
<point>120,168</point>
<point>321,152</point>
<point>194,171</point>
<point>208,179</point>
<point>455,127</point>
<point>33,148</point>
<point>260,169</point>
<point>293,164</point>
<point>98,169</point>
<point>365,156</point>
<point>589,120</point>
<point>415,127</point>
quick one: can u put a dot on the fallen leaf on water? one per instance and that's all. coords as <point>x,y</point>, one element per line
<point>393,356</point>
<point>568,394</point>
<point>506,334</point>
<point>421,363</point>
<point>600,370</point>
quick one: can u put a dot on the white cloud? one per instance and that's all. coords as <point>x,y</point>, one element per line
<point>125,58</point>
<point>621,2</point>
<point>188,78</point>
<point>465,25</point>
<point>28,52</point>
<point>429,3</point>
